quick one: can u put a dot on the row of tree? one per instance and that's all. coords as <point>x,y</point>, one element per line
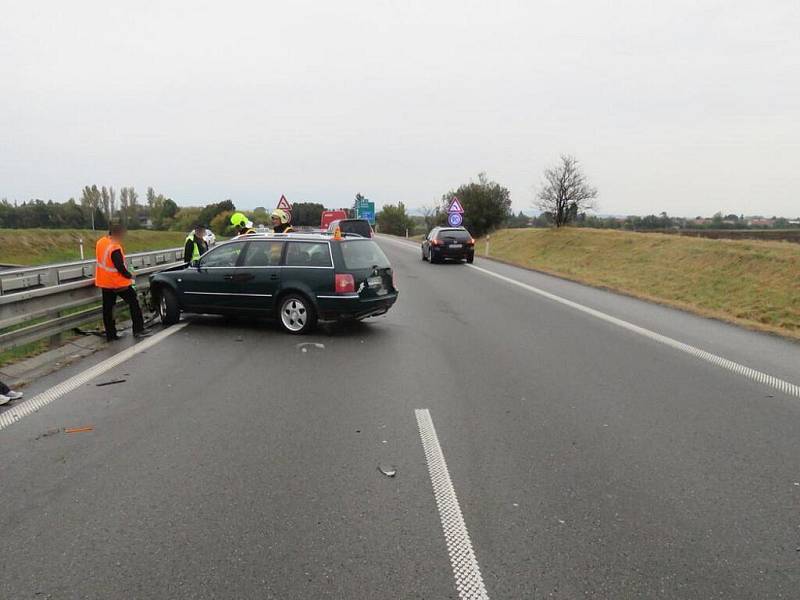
<point>565,194</point>
<point>99,205</point>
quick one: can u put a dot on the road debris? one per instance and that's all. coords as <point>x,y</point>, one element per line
<point>79,429</point>
<point>48,433</point>
<point>389,471</point>
<point>111,382</point>
<point>306,346</point>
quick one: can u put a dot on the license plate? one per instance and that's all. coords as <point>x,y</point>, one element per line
<point>375,282</point>
<point>455,245</point>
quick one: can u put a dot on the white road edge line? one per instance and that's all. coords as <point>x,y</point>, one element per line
<point>15,413</point>
<point>782,385</point>
<point>469,581</point>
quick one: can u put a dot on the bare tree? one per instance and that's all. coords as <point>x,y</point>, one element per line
<point>432,215</point>
<point>106,202</point>
<point>124,203</point>
<point>565,191</point>
<point>112,200</point>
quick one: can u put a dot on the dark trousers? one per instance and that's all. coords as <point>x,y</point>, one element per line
<point>4,389</point>
<point>109,299</point>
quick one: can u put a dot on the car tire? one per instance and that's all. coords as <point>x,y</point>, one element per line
<point>423,255</point>
<point>432,259</point>
<point>296,314</point>
<point>471,259</point>
<point>167,307</point>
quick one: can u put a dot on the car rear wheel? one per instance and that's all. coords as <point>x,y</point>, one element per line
<point>431,258</point>
<point>423,255</point>
<point>297,314</point>
<point>168,310</point>
<point>471,259</point>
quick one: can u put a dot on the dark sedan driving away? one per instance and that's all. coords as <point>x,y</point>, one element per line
<point>448,243</point>
<point>297,278</point>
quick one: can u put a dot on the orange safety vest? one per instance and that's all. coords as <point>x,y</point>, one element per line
<point>105,273</point>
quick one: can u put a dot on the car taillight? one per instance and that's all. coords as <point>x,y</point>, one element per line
<point>345,284</point>
<point>436,242</point>
<point>471,242</point>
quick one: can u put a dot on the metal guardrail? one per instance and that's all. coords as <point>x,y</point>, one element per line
<point>46,292</point>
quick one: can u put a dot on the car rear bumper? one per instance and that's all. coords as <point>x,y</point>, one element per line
<point>453,253</point>
<point>336,308</point>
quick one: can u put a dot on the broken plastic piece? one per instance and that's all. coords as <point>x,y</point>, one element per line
<point>304,346</point>
<point>79,429</point>
<point>389,471</point>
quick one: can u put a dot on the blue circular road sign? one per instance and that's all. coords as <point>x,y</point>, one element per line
<point>454,219</point>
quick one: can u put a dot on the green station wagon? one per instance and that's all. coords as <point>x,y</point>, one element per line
<point>298,278</point>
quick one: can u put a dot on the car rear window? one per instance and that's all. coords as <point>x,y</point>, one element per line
<point>361,228</point>
<point>363,254</point>
<point>308,254</point>
<point>461,235</point>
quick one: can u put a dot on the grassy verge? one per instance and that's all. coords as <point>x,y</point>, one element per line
<point>41,246</point>
<point>752,283</point>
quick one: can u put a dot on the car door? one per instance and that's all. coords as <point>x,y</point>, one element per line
<point>211,286</point>
<point>259,274</point>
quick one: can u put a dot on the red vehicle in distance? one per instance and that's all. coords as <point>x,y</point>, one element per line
<point>329,216</point>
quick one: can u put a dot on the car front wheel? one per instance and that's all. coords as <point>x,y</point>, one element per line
<point>297,314</point>
<point>168,310</point>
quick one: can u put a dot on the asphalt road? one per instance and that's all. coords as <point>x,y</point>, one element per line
<point>589,461</point>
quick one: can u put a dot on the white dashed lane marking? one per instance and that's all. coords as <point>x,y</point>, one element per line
<point>469,581</point>
<point>782,385</point>
<point>15,413</point>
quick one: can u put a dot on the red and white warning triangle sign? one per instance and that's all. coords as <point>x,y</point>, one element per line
<point>455,206</point>
<point>283,203</point>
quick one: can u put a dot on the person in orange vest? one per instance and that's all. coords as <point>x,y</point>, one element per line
<point>111,275</point>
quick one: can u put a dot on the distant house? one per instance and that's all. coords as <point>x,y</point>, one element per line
<point>760,222</point>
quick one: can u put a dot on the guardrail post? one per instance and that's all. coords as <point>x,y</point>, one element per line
<point>54,341</point>
<point>486,251</point>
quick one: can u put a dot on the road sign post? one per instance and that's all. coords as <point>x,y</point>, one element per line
<point>455,213</point>
<point>286,206</point>
<point>365,209</point>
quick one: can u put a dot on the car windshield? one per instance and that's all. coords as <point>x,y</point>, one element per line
<point>363,254</point>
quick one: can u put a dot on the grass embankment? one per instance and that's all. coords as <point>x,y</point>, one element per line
<point>30,247</point>
<point>751,283</point>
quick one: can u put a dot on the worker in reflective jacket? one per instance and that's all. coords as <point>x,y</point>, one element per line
<point>112,276</point>
<point>280,221</point>
<point>195,245</point>
<point>241,224</point>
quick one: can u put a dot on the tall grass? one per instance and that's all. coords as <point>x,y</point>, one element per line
<point>753,283</point>
<point>30,247</point>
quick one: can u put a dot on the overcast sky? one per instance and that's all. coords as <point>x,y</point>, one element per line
<point>688,107</point>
